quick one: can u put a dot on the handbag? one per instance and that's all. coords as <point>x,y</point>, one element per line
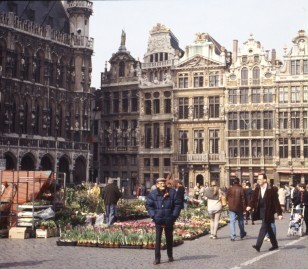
<point>223,200</point>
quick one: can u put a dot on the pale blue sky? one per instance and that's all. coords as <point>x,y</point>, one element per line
<point>274,23</point>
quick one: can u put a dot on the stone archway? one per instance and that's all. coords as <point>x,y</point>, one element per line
<point>47,163</point>
<point>80,173</point>
<point>27,163</point>
<point>200,179</point>
<point>11,161</point>
<point>64,167</point>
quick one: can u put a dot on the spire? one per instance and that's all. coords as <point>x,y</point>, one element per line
<point>123,41</point>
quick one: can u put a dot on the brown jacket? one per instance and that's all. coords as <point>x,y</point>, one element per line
<point>271,201</point>
<point>236,198</point>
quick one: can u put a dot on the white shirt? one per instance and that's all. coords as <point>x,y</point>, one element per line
<point>263,189</point>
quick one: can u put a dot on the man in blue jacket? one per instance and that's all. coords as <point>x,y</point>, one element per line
<point>164,207</point>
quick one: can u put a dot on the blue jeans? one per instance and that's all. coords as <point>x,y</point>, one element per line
<point>240,218</point>
<point>111,212</point>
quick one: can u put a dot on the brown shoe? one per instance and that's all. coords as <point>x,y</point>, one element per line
<point>157,261</point>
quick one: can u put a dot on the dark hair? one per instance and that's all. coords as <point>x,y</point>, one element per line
<point>236,180</point>
<point>263,174</point>
<point>248,184</point>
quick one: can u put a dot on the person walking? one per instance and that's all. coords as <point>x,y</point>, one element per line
<point>214,207</point>
<point>302,201</point>
<point>265,204</point>
<point>164,206</point>
<point>111,196</point>
<point>282,197</point>
<point>248,194</point>
<point>237,204</point>
<point>197,191</point>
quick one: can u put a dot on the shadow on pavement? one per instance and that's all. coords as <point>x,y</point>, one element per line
<point>21,264</point>
<point>294,247</point>
<point>197,257</point>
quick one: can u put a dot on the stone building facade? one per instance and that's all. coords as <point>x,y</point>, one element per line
<point>45,77</point>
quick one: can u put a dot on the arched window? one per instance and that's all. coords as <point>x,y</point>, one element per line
<point>121,69</point>
<point>244,76</point>
<point>256,75</point>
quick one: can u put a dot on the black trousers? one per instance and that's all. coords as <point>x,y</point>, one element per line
<point>169,239</point>
<point>266,228</point>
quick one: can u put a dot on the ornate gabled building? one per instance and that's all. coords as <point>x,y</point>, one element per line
<point>119,136</point>
<point>156,113</point>
<point>199,115</point>
<point>45,77</point>
<point>292,113</point>
<point>251,111</point>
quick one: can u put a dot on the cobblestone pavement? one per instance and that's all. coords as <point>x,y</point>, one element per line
<point>200,253</point>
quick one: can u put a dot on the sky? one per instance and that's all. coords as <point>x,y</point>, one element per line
<point>274,23</point>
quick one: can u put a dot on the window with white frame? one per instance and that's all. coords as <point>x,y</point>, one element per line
<point>295,95</point>
<point>244,120</point>
<point>183,137</point>
<point>198,107</point>
<point>256,96</point>
<point>198,80</point>
<point>183,80</point>
<point>256,75</point>
<point>283,120</point>
<point>233,148</point>
<point>256,120</point>
<point>198,141</point>
<point>214,141</point>
<point>295,67</point>
<point>268,95</point>
<point>214,79</point>
<point>232,120</point>
<point>183,108</point>
<point>214,106</point>
<point>256,148</point>
<point>233,96</point>
<point>283,95</point>
<point>295,147</point>
<point>244,76</point>
<point>268,120</point>
<point>243,96</point>
<point>268,147</point>
<point>244,148</point>
<point>283,147</point>
<point>295,119</point>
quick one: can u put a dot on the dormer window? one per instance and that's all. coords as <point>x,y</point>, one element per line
<point>122,69</point>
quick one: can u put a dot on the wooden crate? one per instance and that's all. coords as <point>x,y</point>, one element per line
<point>46,233</point>
<point>19,233</point>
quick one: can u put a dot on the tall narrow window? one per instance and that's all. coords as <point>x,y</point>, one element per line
<point>121,69</point>
<point>295,119</point>
<point>167,102</point>
<point>125,101</point>
<point>295,148</point>
<point>183,135</point>
<point>167,135</point>
<point>116,102</point>
<point>283,120</point>
<point>295,95</point>
<point>256,97</point>
<point>256,148</point>
<point>233,96</point>
<point>183,108</point>
<point>198,107</point>
<point>244,76</point>
<point>256,76</point>
<point>268,147</point>
<point>305,69</point>
<point>256,120</point>
<point>198,80</point>
<point>106,107</point>
<point>156,103</point>
<point>305,147</point>
<point>295,67</point>
<point>214,79</point>
<point>305,120</point>
<point>244,148</point>
<point>268,95</point>
<point>244,120</point>
<point>232,120</point>
<point>198,141</point>
<point>214,141</point>
<point>214,106</point>
<point>244,96</point>
<point>183,80</point>
<point>148,104</point>
<point>148,135</point>
<point>283,95</point>
<point>156,136</point>
<point>305,93</point>
<point>134,101</point>
<point>233,148</point>
<point>283,147</point>
<point>268,120</point>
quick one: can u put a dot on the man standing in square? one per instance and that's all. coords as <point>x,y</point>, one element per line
<point>265,204</point>
<point>164,207</point>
